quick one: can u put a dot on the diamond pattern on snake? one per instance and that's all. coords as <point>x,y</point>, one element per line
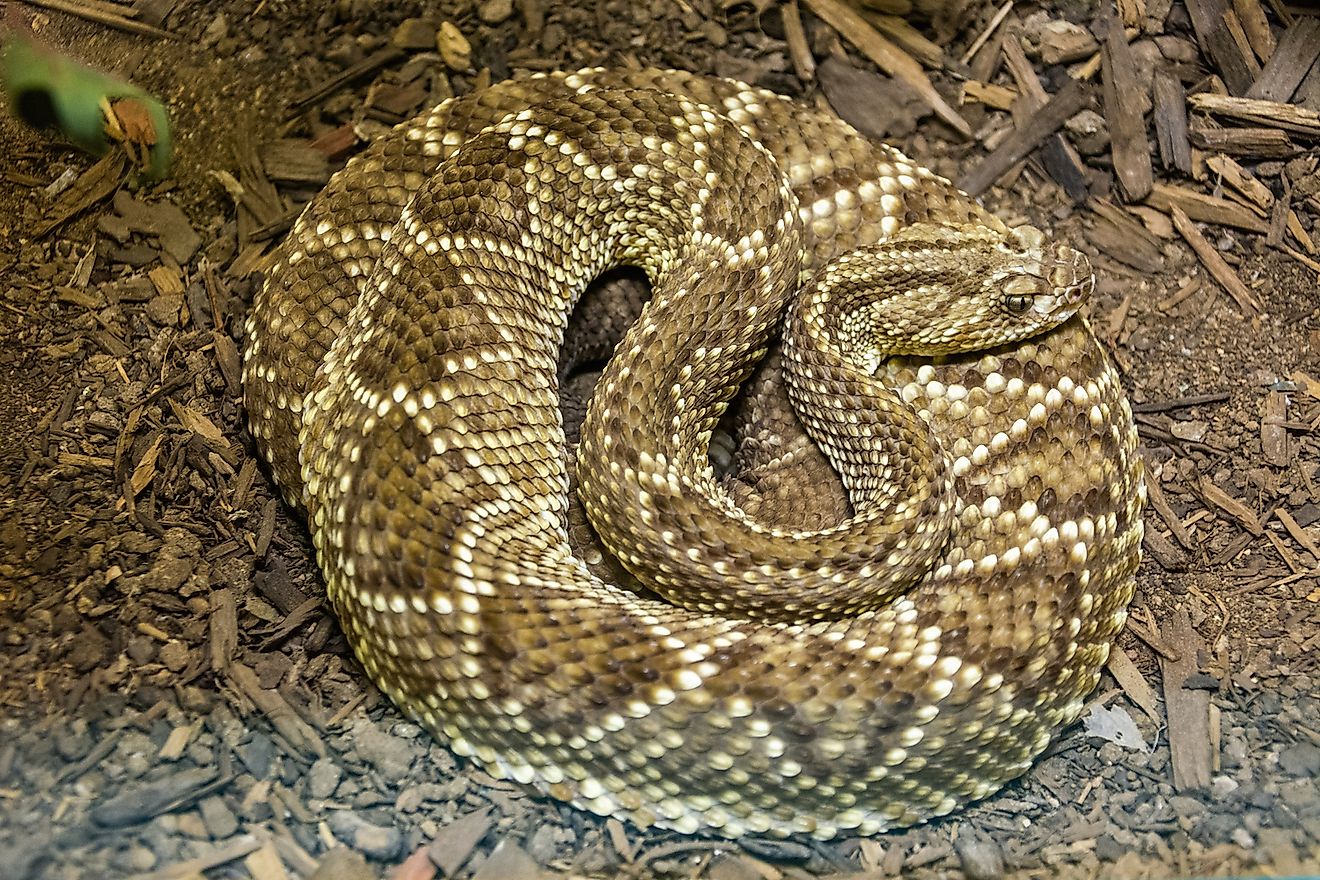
<point>756,670</point>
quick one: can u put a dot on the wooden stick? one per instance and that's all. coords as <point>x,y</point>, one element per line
<point>1214,264</point>
<point>989,29</point>
<point>1017,146</point>
<point>796,38</point>
<point>1127,129</point>
<point>1272,114</point>
<point>1205,208</point>
<point>108,19</point>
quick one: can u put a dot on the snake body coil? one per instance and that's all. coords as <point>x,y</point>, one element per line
<point>401,381</point>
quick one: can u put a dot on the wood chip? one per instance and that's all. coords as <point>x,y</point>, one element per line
<point>295,161</point>
<point>105,17</point>
<point>618,835</point>
<point>1161,506</point>
<point>1171,122</point>
<point>508,862</point>
<point>909,39</point>
<point>1133,683</point>
<point>265,864</point>
<point>1213,262</point>
<point>1270,114</point>
<point>863,98</point>
<point>990,28</point>
<point>1242,181</point>
<point>1287,67</point>
<point>1058,155</point>
<point>375,61</point>
<point>176,742</point>
<point>271,703</point>
<point>1123,238</point>
<point>804,63</point>
<point>96,183</point>
<point>223,629</point>
<point>1273,434</point>
<point>890,58</point>
<point>1257,28</point>
<point>1074,96</point>
<point>1206,209</point>
<point>1124,98</point>
<point>1209,19</point>
<point>989,94</point>
<point>1188,710</point>
<point>214,857</point>
<point>1230,505</point>
<point>1257,143</point>
<point>454,843</point>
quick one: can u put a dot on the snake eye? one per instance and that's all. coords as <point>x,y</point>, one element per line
<point>1017,304</point>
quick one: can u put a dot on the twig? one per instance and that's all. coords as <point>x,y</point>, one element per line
<point>108,19</point>
<point>989,29</point>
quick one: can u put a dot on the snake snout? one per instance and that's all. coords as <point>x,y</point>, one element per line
<point>1071,276</point>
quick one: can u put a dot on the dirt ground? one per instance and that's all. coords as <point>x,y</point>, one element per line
<point>176,701</point>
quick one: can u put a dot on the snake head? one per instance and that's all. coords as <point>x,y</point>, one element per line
<point>935,289</point>
<point>1043,276</point>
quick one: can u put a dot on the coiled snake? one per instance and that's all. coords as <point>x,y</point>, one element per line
<point>915,654</point>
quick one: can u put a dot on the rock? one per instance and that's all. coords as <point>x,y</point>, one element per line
<point>72,741</point>
<point>175,656</point>
<point>219,820</point>
<point>163,309</point>
<point>507,862</point>
<point>323,778</point>
<point>495,11</point>
<point>1222,786</point>
<point>341,863</point>
<point>89,650</point>
<point>1089,131</point>
<point>981,859</point>
<point>391,756</point>
<point>374,841</point>
<point>1108,849</point>
<point>414,34</point>
<point>140,802</point>
<point>257,754</point>
<point>1300,759</point>
<point>1301,795</point>
<point>1186,806</point>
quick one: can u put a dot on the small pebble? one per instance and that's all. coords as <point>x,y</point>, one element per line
<point>323,778</point>
<point>981,859</point>
<point>374,841</point>
<point>1300,759</point>
<point>1243,838</point>
<point>1223,786</point>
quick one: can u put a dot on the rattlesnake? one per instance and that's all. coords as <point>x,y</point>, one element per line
<point>401,381</point>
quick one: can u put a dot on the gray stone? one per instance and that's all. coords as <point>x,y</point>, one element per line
<point>1108,849</point>
<point>1300,759</point>
<point>219,820</point>
<point>981,859</point>
<point>323,778</point>
<point>1222,786</point>
<point>391,756</point>
<point>374,841</point>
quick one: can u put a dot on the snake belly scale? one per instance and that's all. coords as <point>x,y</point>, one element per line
<point>400,378</point>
